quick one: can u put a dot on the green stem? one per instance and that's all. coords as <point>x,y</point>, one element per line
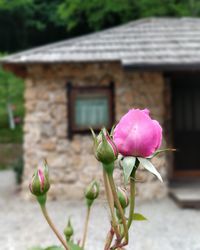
<point>121,212</point>
<point>86,227</point>
<point>45,213</point>
<point>110,203</point>
<point>132,195</point>
<point>132,199</point>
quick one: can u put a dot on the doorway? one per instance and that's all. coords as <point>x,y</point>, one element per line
<point>186,124</point>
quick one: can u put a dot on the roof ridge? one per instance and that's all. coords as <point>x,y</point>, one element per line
<point>144,35</point>
<point>78,38</point>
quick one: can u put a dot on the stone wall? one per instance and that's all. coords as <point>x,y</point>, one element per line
<point>72,163</point>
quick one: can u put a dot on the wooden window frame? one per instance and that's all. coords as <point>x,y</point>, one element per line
<point>73,91</point>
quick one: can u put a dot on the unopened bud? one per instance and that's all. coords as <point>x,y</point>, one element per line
<point>68,231</point>
<point>92,192</point>
<point>39,184</point>
<point>123,197</point>
<point>105,149</point>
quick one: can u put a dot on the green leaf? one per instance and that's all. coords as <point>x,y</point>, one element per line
<point>150,167</point>
<point>139,217</point>
<point>54,248</point>
<point>128,164</point>
<point>74,246</point>
<point>48,248</point>
<point>36,248</point>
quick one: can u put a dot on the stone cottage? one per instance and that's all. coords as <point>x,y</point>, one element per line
<point>93,80</point>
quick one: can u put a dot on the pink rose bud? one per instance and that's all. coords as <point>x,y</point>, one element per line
<point>105,149</point>
<point>137,134</point>
<point>123,197</point>
<point>39,184</point>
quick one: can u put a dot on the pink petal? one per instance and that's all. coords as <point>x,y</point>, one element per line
<point>41,177</point>
<point>137,134</point>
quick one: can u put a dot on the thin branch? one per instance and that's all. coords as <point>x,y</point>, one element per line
<point>121,212</point>
<point>86,227</point>
<point>48,219</point>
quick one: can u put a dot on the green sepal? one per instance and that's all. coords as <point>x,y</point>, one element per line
<point>42,199</point>
<point>112,131</point>
<point>128,164</point>
<point>94,137</point>
<point>103,136</point>
<point>38,187</point>
<point>106,151</point>
<point>138,217</point>
<point>161,151</point>
<point>150,167</point>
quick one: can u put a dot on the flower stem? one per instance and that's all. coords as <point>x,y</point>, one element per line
<point>121,212</point>
<point>132,194</point>
<point>132,199</point>
<point>110,203</point>
<point>109,239</point>
<point>86,227</point>
<point>45,213</point>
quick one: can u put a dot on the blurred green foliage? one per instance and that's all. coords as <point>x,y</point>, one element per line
<point>11,90</point>
<point>18,168</point>
<point>97,14</point>
<point>29,23</point>
<point>11,157</point>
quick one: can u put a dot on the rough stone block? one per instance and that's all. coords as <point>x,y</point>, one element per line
<point>72,162</point>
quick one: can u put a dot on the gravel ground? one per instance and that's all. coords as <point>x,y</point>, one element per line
<point>22,225</point>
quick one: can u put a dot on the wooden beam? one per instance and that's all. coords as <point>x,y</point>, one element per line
<point>18,70</point>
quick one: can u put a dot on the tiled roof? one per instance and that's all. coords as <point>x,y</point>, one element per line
<point>152,41</point>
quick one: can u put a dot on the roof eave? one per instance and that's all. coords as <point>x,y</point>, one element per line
<point>163,67</point>
<point>29,62</point>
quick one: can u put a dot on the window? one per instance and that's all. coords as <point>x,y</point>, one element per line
<point>90,107</point>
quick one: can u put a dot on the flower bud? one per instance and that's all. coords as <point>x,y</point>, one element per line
<point>91,192</point>
<point>137,134</point>
<point>105,149</point>
<point>123,197</point>
<point>39,184</point>
<point>68,231</point>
